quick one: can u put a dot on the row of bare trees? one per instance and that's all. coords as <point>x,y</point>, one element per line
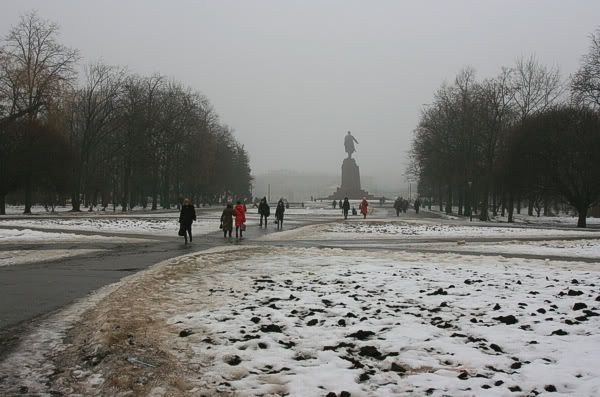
<point>110,137</point>
<point>523,136</point>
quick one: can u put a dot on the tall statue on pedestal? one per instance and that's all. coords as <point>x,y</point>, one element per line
<point>349,141</point>
<point>350,187</point>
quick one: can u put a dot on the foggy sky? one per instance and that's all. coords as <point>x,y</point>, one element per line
<point>291,77</point>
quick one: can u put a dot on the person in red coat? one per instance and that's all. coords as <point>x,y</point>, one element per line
<point>364,204</point>
<point>239,212</point>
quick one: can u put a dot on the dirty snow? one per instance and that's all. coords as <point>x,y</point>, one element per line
<point>17,257</point>
<point>15,236</point>
<point>133,225</point>
<point>411,230</point>
<point>307,322</point>
<point>565,248</point>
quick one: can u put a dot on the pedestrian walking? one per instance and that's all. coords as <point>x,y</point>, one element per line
<point>345,207</point>
<point>264,210</point>
<point>279,211</point>
<point>417,205</point>
<point>240,219</point>
<point>186,217</point>
<point>364,204</point>
<point>334,204</point>
<point>398,205</point>
<point>227,220</point>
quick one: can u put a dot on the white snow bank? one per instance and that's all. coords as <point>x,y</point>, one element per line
<point>17,257</point>
<point>416,230</point>
<point>566,248</point>
<point>15,236</point>
<point>131,225</point>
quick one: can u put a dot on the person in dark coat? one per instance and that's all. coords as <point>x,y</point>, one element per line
<point>227,220</point>
<point>264,210</point>
<point>354,212</point>
<point>334,204</point>
<point>186,217</point>
<point>417,205</point>
<point>279,211</point>
<point>345,207</point>
<point>398,205</point>
<point>340,205</point>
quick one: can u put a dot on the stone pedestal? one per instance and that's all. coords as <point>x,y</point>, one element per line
<point>350,183</point>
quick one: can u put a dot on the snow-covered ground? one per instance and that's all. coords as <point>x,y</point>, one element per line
<point>265,320</point>
<point>570,248</point>
<point>16,236</point>
<point>133,225</point>
<point>17,257</point>
<point>308,322</point>
<point>418,230</point>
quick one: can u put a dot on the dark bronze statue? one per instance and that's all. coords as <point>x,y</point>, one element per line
<point>349,141</point>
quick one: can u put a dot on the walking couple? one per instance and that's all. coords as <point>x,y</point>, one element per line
<point>227,218</point>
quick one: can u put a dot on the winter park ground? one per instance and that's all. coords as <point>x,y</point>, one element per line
<point>415,305</point>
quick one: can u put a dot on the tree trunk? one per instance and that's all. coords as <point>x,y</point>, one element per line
<point>582,212</point>
<point>519,205</point>
<point>2,204</point>
<point>511,207</point>
<point>485,199</point>
<point>530,207</point>
<point>440,198</point>
<point>27,196</point>
<point>449,202</point>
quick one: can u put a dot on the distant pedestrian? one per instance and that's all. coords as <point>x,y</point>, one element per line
<point>345,207</point>
<point>227,220</point>
<point>186,217</point>
<point>340,203</point>
<point>398,205</point>
<point>240,219</point>
<point>364,204</point>
<point>334,204</point>
<point>404,205</point>
<point>354,211</point>
<point>279,211</point>
<point>417,205</point>
<point>264,210</point>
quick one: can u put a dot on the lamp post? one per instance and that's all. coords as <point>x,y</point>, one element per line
<point>470,202</point>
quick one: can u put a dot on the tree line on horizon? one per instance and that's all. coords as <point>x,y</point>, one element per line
<point>524,138</point>
<point>107,137</point>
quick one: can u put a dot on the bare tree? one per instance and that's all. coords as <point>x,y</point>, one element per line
<point>536,87</point>
<point>585,83</point>
<point>93,115</point>
<point>34,69</point>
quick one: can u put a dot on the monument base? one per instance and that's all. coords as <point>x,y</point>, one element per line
<point>350,183</point>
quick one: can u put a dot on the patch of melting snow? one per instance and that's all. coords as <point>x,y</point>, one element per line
<point>14,236</point>
<point>162,226</point>
<point>309,322</point>
<point>17,257</point>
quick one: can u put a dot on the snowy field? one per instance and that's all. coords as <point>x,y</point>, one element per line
<point>417,230</point>
<point>132,225</point>
<point>307,323</point>
<point>17,257</point>
<point>17,236</point>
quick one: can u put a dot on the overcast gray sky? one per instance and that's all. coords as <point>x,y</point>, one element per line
<point>291,77</point>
